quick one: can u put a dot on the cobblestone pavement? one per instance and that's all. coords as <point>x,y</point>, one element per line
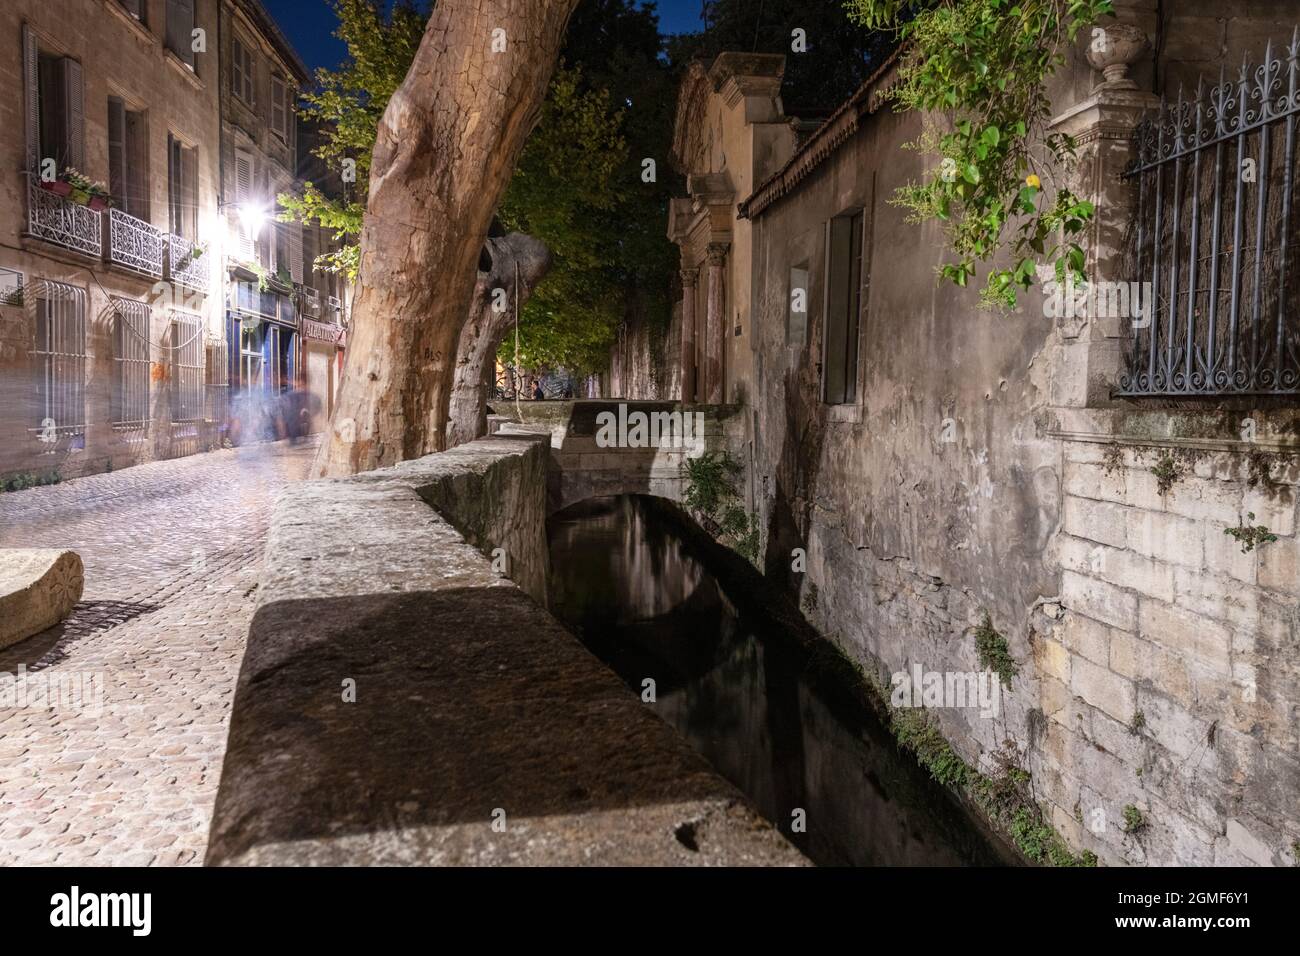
<point>172,551</point>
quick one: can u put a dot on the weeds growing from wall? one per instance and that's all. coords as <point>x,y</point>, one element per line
<point>994,654</point>
<point>1003,796</point>
<point>712,495</point>
<point>1251,537</point>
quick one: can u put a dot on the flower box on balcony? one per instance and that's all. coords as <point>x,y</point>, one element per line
<point>98,203</point>
<point>57,186</point>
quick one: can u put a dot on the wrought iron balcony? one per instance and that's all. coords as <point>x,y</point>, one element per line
<point>58,220</point>
<point>310,303</point>
<point>134,244</point>
<point>334,310</point>
<point>183,267</point>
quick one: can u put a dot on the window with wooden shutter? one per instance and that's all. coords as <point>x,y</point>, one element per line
<point>32,95</point>
<point>295,251</point>
<point>241,70</point>
<point>117,174</point>
<point>180,26</point>
<point>60,117</point>
<point>844,236</point>
<point>278,111</point>
<point>243,196</point>
<point>74,113</point>
<point>190,191</point>
<point>136,198</point>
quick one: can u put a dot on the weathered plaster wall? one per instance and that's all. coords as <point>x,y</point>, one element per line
<point>963,482</point>
<point>480,731</point>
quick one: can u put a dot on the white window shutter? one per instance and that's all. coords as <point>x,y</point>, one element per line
<point>74,113</point>
<point>243,194</point>
<point>32,106</point>
<point>295,251</point>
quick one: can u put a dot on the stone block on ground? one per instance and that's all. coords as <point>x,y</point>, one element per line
<point>38,588</point>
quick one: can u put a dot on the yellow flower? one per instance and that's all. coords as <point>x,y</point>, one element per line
<point>1034,181</point>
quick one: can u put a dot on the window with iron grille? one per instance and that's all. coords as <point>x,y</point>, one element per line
<point>1215,239</point>
<point>218,382</point>
<point>59,358</point>
<point>130,362</point>
<point>186,344</point>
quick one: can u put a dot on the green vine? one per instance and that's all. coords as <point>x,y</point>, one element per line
<point>983,65</point>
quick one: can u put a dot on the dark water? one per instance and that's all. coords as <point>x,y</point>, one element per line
<point>644,602</point>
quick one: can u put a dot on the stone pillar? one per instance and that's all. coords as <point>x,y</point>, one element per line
<point>689,277</point>
<point>1102,127</point>
<point>716,334</point>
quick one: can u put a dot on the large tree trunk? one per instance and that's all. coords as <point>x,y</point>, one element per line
<point>447,146</point>
<point>488,322</point>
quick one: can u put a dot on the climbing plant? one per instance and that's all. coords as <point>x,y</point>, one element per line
<point>978,70</point>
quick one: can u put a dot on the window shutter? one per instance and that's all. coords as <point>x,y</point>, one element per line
<point>117,172</point>
<point>243,194</point>
<point>180,25</point>
<point>32,107</point>
<point>73,113</point>
<point>236,67</point>
<point>137,166</point>
<point>190,179</point>
<point>295,251</point>
<point>277,106</point>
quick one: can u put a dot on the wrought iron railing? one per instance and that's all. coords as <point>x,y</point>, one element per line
<point>134,244</point>
<point>1215,235</point>
<point>61,221</point>
<point>184,267</point>
<point>334,310</point>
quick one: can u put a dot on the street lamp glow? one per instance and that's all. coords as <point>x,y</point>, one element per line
<point>252,216</point>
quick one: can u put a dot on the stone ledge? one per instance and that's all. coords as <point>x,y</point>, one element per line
<point>469,698</point>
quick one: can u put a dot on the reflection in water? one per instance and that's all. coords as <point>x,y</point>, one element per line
<point>643,603</point>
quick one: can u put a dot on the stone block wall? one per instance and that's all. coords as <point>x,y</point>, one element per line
<point>1173,655</point>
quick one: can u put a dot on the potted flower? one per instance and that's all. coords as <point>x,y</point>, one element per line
<point>100,197</point>
<point>59,186</point>
<point>79,185</point>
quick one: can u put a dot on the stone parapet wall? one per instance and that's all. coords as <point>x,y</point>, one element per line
<point>401,702</point>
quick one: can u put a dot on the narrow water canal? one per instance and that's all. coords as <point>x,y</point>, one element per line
<point>640,596</point>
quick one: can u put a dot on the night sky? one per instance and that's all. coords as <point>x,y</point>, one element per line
<point>309,25</point>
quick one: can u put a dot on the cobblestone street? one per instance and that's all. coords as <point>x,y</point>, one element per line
<point>172,551</point>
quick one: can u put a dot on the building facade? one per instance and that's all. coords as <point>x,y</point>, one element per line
<point>146,289</point>
<point>107,328</point>
<point>1084,480</point>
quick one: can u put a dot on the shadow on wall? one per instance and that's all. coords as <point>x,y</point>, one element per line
<point>797,471</point>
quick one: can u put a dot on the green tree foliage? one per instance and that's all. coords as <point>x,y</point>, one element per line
<point>978,69</point>
<point>839,56</point>
<point>578,186</point>
<point>348,102</point>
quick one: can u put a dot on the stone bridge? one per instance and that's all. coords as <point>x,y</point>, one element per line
<point>612,447</point>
